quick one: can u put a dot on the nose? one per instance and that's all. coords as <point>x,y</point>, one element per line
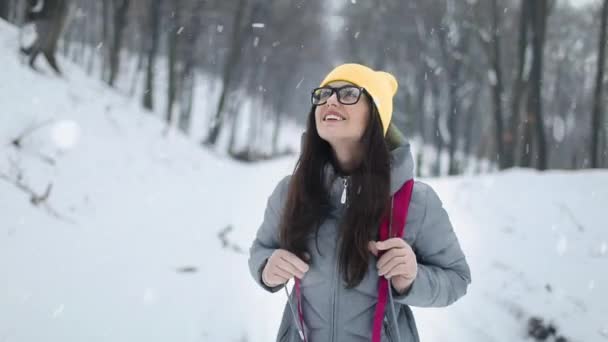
<point>333,99</point>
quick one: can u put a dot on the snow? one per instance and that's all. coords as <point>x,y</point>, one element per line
<point>65,134</point>
<point>136,254</point>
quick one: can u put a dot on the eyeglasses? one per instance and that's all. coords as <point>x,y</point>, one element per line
<point>348,94</point>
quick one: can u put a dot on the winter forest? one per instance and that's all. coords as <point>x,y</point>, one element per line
<point>142,138</point>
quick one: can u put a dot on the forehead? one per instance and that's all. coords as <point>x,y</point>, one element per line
<point>337,84</point>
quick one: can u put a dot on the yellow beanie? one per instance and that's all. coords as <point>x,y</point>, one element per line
<point>381,85</point>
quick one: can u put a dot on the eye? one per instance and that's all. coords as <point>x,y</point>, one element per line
<point>349,93</point>
<point>321,95</point>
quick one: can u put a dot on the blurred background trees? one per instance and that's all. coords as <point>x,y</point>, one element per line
<point>484,85</point>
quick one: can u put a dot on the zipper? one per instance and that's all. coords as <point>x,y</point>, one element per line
<point>333,313</point>
<point>336,278</point>
<point>387,331</point>
<point>344,192</point>
<point>337,312</point>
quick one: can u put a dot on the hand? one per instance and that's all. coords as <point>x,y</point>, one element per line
<point>398,263</point>
<point>281,266</point>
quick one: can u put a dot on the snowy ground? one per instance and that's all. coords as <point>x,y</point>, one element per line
<point>127,246</point>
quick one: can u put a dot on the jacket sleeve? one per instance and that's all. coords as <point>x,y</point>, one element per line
<point>443,273</point>
<point>267,236</point>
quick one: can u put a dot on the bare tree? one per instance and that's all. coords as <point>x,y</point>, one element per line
<point>596,122</point>
<point>49,22</point>
<point>189,49</point>
<point>229,67</point>
<point>172,61</point>
<point>119,16</point>
<point>154,22</point>
<point>534,143</point>
<point>496,83</point>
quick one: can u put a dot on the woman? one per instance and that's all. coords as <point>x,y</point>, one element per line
<point>321,224</point>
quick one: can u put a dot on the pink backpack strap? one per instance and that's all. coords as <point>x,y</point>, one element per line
<point>302,327</point>
<point>401,205</point>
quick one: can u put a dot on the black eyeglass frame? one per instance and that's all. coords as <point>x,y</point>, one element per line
<point>337,92</point>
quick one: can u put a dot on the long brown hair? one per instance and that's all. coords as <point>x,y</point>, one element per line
<point>368,194</point>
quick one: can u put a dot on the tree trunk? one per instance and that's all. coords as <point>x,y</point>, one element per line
<point>539,15</point>
<point>105,31</point>
<point>596,121</point>
<point>438,139</point>
<point>497,87</point>
<point>120,22</point>
<point>172,63</point>
<point>518,89</point>
<point>528,124</point>
<point>229,66</point>
<point>154,17</point>
<point>49,23</point>
<point>187,77</point>
<point>93,50</point>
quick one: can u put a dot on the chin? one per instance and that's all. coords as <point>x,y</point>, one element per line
<point>335,137</point>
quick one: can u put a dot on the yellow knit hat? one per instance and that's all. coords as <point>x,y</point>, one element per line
<point>381,85</point>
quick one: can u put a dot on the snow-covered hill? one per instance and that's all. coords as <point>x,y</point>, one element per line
<point>144,235</point>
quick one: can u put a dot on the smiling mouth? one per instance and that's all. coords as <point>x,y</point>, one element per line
<point>333,117</point>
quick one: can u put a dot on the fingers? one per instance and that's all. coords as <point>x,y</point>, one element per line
<point>289,269</point>
<point>399,270</point>
<point>281,275</point>
<point>271,278</point>
<point>391,243</point>
<point>388,256</point>
<point>392,264</point>
<point>295,261</point>
<point>371,246</point>
<point>282,266</point>
<point>306,257</point>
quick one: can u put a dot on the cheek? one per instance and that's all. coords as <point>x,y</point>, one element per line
<point>361,117</point>
<point>317,115</point>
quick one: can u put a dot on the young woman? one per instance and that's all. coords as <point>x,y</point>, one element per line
<point>323,225</point>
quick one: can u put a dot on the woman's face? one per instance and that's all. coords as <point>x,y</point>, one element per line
<point>337,122</point>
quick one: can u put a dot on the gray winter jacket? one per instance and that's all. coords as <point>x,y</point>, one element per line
<point>336,314</point>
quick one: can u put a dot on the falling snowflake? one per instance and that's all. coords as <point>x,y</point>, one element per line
<point>559,128</point>
<point>149,296</point>
<point>65,134</point>
<point>600,250</point>
<point>492,77</point>
<point>562,245</point>
<point>299,83</point>
<point>58,311</point>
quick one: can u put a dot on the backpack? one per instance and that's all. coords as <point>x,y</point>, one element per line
<point>399,209</point>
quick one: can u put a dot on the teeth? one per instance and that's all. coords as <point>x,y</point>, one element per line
<point>333,117</point>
